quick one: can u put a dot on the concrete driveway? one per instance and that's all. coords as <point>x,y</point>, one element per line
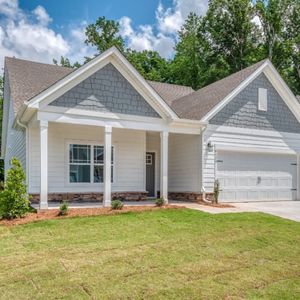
<point>285,209</point>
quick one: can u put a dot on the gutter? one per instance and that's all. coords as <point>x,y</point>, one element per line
<point>206,200</point>
<point>26,149</point>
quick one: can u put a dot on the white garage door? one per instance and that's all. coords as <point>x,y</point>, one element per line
<point>256,177</point>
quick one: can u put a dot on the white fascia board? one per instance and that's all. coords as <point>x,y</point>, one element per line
<point>234,93</point>
<point>283,90</point>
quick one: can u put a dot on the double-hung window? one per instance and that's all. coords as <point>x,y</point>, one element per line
<point>86,163</point>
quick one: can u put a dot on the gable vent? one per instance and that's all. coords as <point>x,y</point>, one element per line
<point>262,99</point>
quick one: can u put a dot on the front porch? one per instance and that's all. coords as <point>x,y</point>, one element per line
<point>92,165</point>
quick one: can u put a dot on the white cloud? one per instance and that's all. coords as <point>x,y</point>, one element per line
<point>78,49</point>
<point>27,35</point>
<point>42,15</point>
<point>9,8</point>
<point>145,39</point>
<point>161,36</point>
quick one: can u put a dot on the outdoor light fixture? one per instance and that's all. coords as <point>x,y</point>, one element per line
<point>210,146</point>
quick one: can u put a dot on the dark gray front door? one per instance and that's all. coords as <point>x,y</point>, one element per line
<point>150,174</point>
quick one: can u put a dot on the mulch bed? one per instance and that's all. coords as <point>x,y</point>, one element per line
<point>52,214</point>
<point>219,205</point>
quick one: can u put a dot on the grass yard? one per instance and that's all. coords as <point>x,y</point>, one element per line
<point>164,254</point>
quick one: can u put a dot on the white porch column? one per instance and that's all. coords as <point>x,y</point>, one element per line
<point>44,164</point>
<point>107,166</point>
<point>164,153</point>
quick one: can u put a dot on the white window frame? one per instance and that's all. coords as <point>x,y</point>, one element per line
<point>262,99</point>
<point>92,164</point>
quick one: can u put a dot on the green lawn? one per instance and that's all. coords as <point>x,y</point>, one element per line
<point>165,254</point>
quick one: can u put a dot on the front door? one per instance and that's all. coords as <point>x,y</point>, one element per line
<point>150,174</point>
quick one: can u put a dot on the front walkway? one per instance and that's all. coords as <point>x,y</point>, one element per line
<point>284,209</point>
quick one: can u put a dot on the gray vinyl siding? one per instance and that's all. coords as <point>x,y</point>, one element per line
<point>106,91</point>
<point>242,111</point>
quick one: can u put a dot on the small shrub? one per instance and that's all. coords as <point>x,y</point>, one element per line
<point>14,200</point>
<point>117,204</point>
<point>216,191</point>
<point>63,209</point>
<point>160,202</point>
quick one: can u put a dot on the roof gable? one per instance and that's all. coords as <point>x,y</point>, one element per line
<point>107,90</point>
<point>242,111</point>
<point>113,56</point>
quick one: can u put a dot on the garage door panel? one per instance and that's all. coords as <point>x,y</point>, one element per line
<point>256,176</point>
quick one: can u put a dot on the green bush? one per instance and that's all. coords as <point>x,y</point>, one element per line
<point>14,200</point>
<point>159,202</point>
<point>216,191</point>
<point>117,204</point>
<point>63,209</point>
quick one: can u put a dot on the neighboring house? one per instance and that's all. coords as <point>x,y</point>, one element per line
<point>103,131</point>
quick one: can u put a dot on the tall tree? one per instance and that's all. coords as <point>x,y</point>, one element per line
<point>65,62</point>
<point>103,34</point>
<point>280,21</point>
<point>190,53</point>
<point>293,37</point>
<point>232,32</point>
<point>149,64</point>
<point>272,14</point>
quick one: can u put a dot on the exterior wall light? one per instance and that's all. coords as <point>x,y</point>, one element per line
<point>210,147</point>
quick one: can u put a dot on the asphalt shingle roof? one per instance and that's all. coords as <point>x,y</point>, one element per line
<point>27,79</point>
<point>197,104</point>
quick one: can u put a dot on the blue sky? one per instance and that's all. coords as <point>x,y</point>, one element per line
<point>41,30</point>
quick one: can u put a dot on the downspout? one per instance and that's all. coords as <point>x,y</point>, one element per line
<point>26,150</point>
<point>204,198</point>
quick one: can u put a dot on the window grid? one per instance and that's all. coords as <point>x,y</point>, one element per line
<point>91,161</point>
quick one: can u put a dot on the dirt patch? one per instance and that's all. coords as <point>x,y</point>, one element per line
<point>219,205</point>
<point>52,214</point>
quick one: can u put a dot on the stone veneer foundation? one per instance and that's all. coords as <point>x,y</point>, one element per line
<point>90,197</point>
<point>188,196</point>
<point>128,196</point>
